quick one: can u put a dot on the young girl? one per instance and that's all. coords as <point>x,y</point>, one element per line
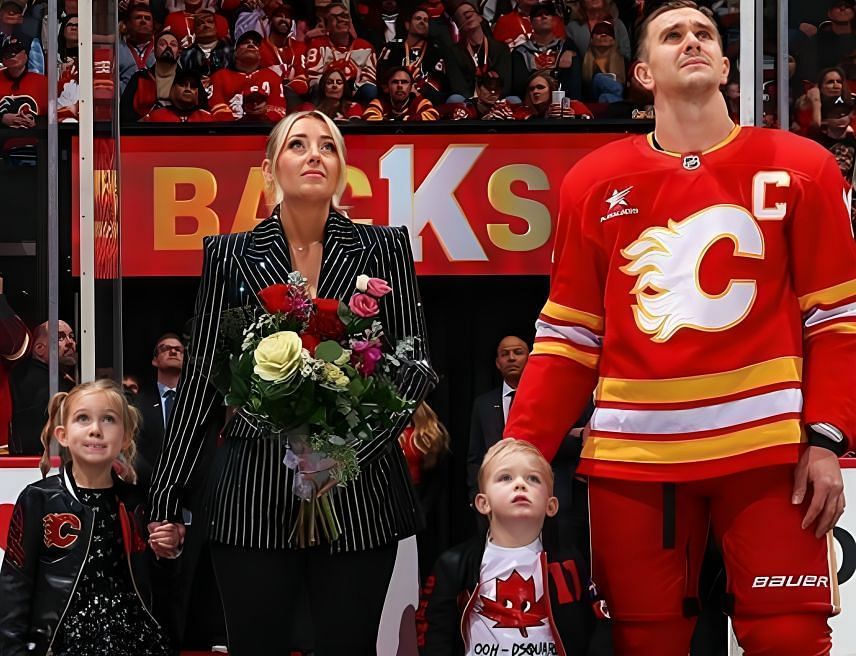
<point>74,580</point>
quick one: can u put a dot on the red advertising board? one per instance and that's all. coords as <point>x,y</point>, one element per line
<point>475,204</point>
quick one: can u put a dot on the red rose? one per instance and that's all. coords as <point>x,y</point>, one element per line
<point>310,342</point>
<point>276,299</point>
<point>325,322</point>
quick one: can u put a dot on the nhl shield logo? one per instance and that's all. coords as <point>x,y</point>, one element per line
<point>692,162</point>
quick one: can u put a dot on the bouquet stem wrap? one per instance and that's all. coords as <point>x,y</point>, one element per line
<point>312,469</point>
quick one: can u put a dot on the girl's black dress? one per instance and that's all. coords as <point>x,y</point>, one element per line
<point>105,616</point>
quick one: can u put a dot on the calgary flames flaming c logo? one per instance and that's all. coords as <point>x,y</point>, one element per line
<point>666,263</point>
<point>61,529</point>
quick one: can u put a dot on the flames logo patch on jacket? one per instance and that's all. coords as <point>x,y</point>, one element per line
<point>61,529</point>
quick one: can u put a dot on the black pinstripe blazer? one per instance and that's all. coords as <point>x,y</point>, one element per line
<point>253,504</point>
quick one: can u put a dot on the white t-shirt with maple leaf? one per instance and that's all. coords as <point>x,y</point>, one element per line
<point>510,613</point>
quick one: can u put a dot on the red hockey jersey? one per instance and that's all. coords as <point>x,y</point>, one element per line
<point>228,87</point>
<point>709,299</point>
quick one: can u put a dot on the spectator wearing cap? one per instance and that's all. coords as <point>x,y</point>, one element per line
<point>592,12</point>
<point>153,86</point>
<point>604,70</point>
<point>420,55</point>
<point>543,51</point>
<point>515,27</point>
<point>12,22</point>
<point>186,104</point>
<point>835,133</point>
<point>284,54</point>
<point>475,54</point>
<point>335,97</point>
<point>23,94</point>
<point>181,22</point>
<point>354,55</point>
<point>485,104</point>
<point>228,84</point>
<point>399,101</point>
<point>137,49</point>
<point>209,53</point>
<point>830,84</point>
<point>832,43</point>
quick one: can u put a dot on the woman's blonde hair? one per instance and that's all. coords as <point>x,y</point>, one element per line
<point>60,408</point>
<point>429,434</point>
<point>615,64</point>
<point>276,141</point>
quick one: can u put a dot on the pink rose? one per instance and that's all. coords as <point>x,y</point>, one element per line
<point>377,287</point>
<point>366,355</point>
<point>363,306</point>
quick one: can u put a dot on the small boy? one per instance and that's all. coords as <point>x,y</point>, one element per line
<point>509,594</point>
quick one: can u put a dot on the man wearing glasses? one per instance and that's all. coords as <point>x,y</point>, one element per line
<point>354,56</point>
<point>155,403</point>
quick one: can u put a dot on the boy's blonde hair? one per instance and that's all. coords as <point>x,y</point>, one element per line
<point>511,445</point>
<point>60,407</point>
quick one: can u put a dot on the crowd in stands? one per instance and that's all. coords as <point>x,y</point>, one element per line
<point>405,60</point>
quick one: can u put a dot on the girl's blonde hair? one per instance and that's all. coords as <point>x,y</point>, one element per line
<point>276,141</point>
<point>60,408</point>
<point>430,436</point>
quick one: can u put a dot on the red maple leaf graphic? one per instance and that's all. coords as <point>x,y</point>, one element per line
<point>515,606</point>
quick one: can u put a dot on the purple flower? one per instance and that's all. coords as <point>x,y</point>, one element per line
<point>366,355</point>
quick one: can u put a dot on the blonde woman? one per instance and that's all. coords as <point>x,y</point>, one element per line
<point>253,507</point>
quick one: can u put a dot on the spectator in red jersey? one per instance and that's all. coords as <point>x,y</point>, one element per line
<point>515,27</point>
<point>68,83</point>
<point>151,87</point>
<point>187,102</point>
<point>285,55</point>
<point>355,55</point>
<point>210,53</point>
<point>592,12</point>
<point>399,101</point>
<point>420,55</point>
<point>604,70</point>
<point>228,84</point>
<point>23,95</point>
<point>137,50</point>
<point>830,84</point>
<point>256,109</point>
<point>182,23</point>
<point>474,54</point>
<point>544,51</point>
<point>336,97</point>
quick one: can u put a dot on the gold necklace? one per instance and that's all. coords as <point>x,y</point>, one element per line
<point>300,249</point>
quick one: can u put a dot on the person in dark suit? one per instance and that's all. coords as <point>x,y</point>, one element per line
<point>155,403</point>
<point>253,508</point>
<point>29,384</point>
<point>491,409</point>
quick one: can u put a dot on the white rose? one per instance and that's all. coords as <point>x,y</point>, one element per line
<point>363,282</point>
<point>278,356</point>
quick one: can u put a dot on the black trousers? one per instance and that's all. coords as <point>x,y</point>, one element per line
<point>263,593</point>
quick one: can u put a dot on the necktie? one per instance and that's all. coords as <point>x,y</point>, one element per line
<point>510,396</point>
<point>168,400</point>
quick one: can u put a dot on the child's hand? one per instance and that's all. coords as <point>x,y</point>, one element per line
<point>166,539</point>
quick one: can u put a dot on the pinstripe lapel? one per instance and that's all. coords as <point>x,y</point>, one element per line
<point>266,260</point>
<point>343,257</point>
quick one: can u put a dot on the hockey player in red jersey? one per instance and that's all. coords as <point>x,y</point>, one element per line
<point>706,293</point>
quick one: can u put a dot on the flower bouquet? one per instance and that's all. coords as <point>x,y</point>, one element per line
<point>319,373</point>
